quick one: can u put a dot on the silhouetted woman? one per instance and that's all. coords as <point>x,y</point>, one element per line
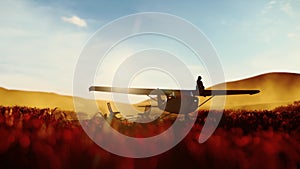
<point>199,86</point>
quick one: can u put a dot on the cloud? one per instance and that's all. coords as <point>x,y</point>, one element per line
<point>292,35</point>
<point>268,7</point>
<point>283,6</point>
<point>287,8</point>
<point>75,20</point>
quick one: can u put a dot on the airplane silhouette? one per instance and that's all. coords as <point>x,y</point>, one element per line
<point>176,100</point>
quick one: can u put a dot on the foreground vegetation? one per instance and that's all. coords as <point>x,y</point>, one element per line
<point>45,138</point>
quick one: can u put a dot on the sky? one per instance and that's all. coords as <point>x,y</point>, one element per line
<point>42,40</point>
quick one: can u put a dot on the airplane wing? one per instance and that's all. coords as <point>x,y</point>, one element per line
<point>137,91</point>
<point>175,92</point>
<point>228,92</point>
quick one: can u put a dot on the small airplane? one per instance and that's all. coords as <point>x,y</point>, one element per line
<point>171,100</point>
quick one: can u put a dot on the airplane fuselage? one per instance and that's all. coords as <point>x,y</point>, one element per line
<point>184,105</point>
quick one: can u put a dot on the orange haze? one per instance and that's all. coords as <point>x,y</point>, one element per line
<point>276,89</point>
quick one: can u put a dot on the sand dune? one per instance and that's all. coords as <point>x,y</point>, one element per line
<point>44,100</point>
<point>53,100</point>
<point>276,89</point>
<point>35,99</point>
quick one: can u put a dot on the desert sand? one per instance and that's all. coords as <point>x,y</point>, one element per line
<point>276,89</point>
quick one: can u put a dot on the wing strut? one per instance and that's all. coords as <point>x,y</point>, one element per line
<point>206,101</point>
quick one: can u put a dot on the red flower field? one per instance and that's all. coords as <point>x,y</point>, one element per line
<point>44,138</point>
